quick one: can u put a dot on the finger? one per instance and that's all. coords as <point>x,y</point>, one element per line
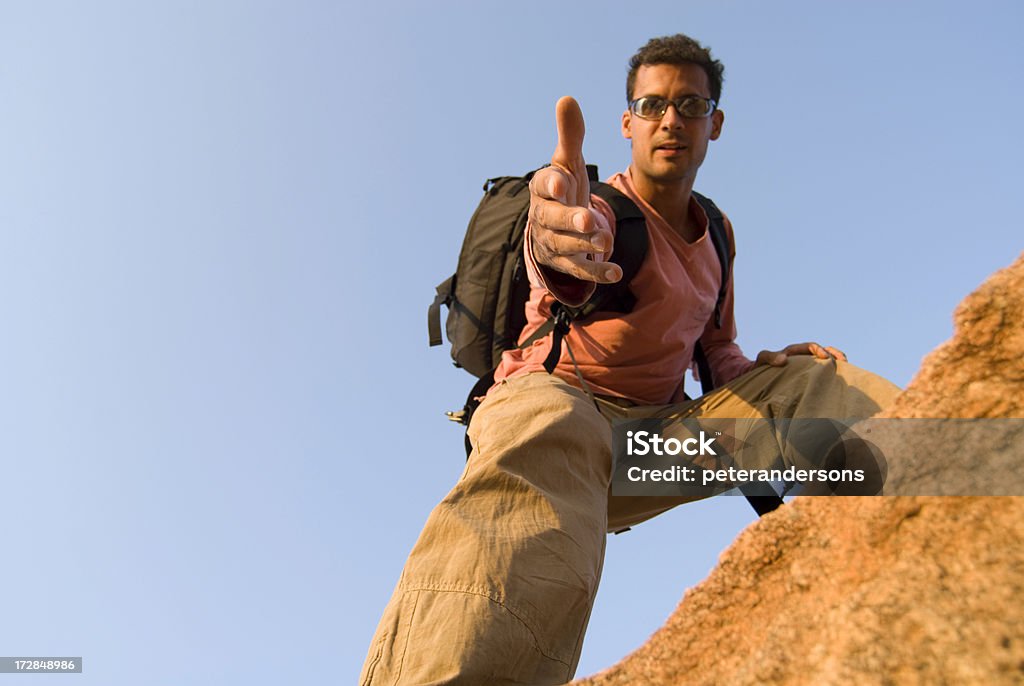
<point>571,243</point>
<point>582,268</point>
<point>571,129</point>
<point>569,149</point>
<point>771,358</point>
<point>799,349</point>
<point>554,216</point>
<point>837,353</point>
<point>553,183</point>
<point>826,353</point>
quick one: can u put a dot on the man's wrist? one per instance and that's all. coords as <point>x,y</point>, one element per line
<point>567,289</point>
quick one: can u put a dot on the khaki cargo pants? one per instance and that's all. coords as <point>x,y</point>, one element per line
<point>499,587</point>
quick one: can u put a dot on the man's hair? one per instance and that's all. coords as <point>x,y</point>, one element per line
<point>677,49</point>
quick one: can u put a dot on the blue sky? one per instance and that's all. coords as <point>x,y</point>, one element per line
<point>221,223</point>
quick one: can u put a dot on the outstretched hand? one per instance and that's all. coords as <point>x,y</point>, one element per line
<point>779,358</point>
<point>564,227</point>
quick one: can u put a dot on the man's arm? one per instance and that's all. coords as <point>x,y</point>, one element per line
<point>567,238</point>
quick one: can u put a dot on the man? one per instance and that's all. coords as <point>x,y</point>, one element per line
<point>499,587</point>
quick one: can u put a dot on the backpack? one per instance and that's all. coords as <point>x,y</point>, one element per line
<point>486,296</point>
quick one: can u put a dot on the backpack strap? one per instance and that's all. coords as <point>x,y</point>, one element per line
<point>443,297</point>
<point>716,227</point>
<point>629,252</point>
<point>761,496</point>
<point>707,382</point>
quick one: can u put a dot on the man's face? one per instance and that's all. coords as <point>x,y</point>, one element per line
<point>672,148</point>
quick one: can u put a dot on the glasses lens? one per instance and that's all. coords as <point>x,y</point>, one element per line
<point>694,107</point>
<point>650,107</point>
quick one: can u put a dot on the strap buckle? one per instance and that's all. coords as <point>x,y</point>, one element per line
<point>457,416</point>
<point>562,319</point>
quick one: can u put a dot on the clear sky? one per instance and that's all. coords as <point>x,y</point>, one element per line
<point>221,224</point>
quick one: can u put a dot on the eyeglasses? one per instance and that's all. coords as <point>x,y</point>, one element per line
<point>689,106</point>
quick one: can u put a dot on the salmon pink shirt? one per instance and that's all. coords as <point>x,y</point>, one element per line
<point>642,355</point>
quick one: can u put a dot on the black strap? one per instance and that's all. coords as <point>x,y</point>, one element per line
<point>761,496</point>
<point>716,227</point>
<point>560,321</point>
<point>443,297</point>
<point>707,381</point>
<point>621,205</point>
<point>479,389</point>
<point>540,333</point>
<point>763,504</point>
<point>629,252</point>
<point>763,500</point>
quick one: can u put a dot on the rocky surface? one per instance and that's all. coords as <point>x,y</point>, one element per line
<point>877,590</point>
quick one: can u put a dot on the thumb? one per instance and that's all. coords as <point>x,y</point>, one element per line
<point>569,150</point>
<point>771,358</point>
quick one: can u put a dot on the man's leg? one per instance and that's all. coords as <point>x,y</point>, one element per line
<point>804,388</point>
<point>499,587</point>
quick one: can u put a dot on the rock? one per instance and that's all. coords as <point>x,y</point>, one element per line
<point>878,590</point>
<point>980,371</point>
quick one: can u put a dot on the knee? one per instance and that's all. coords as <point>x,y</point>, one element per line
<point>484,641</point>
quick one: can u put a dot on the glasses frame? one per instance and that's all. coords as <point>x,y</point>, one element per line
<point>677,103</point>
